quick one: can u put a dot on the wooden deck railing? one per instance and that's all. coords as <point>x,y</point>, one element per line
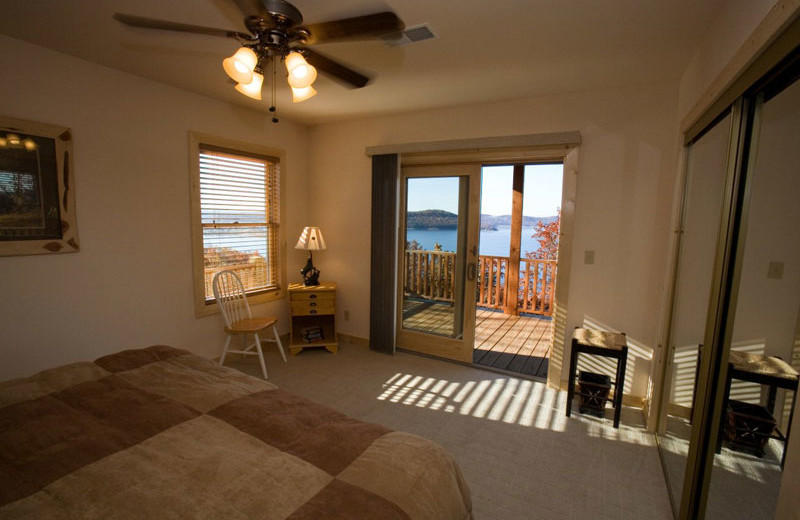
<point>537,286</point>
<point>492,281</point>
<point>251,274</point>
<point>429,275</point>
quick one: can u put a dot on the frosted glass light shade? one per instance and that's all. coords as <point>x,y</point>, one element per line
<point>301,74</point>
<point>240,66</point>
<point>311,240</point>
<point>301,94</point>
<point>253,88</point>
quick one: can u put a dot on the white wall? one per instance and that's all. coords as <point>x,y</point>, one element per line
<point>726,34</point>
<point>131,283</point>
<point>628,162</point>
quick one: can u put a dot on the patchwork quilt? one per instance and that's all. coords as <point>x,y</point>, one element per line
<point>161,433</point>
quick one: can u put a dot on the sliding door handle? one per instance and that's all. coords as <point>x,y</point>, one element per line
<point>471,269</point>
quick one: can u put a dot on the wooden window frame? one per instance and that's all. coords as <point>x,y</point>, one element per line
<point>197,143</point>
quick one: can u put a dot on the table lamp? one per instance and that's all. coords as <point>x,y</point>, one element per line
<point>310,240</point>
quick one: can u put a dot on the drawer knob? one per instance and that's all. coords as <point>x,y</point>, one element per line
<point>313,304</point>
<point>313,296</point>
<point>313,311</point>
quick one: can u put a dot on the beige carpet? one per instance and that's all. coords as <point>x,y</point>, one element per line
<point>742,486</point>
<point>522,457</point>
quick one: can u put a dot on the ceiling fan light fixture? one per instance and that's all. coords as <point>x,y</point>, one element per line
<point>301,74</point>
<point>252,88</point>
<point>275,32</point>
<point>301,94</point>
<point>241,65</point>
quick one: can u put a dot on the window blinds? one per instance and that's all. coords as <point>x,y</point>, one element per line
<point>240,217</point>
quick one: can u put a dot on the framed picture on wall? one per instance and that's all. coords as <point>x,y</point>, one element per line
<point>37,189</point>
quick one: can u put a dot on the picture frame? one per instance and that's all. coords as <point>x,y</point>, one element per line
<point>37,189</point>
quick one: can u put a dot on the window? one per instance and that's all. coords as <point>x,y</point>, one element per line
<point>235,218</point>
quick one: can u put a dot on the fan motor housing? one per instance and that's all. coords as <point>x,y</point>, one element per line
<point>283,12</point>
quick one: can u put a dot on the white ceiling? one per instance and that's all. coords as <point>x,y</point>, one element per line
<point>485,50</point>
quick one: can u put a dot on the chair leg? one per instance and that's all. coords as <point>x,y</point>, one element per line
<point>225,350</point>
<point>278,341</point>
<point>260,355</point>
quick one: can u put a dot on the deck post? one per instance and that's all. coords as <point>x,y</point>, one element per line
<point>512,270</point>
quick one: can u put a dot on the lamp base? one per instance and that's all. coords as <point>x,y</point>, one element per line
<point>311,277</point>
<point>310,273</point>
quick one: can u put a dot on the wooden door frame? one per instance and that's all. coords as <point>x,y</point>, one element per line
<point>558,370</point>
<point>559,147</point>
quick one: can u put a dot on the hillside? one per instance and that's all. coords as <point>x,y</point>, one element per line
<point>440,219</point>
<point>432,219</point>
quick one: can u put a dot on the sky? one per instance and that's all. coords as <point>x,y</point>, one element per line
<point>541,198</point>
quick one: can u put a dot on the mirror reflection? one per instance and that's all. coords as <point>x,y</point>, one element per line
<point>764,356</point>
<point>704,186</point>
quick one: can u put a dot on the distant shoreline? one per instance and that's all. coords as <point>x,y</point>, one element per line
<point>492,242</point>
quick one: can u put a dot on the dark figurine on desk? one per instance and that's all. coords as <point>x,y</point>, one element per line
<point>310,273</point>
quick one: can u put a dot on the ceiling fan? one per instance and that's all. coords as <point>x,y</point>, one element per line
<point>276,34</point>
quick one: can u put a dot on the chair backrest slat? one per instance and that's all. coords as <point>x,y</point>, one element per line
<point>229,293</point>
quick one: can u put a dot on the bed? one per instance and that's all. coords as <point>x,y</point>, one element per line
<point>162,433</point>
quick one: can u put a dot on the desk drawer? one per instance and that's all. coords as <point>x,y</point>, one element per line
<point>311,307</point>
<point>313,296</point>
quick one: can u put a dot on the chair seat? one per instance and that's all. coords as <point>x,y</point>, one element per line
<point>600,338</point>
<point>763,365</point>
<point>251,325</point>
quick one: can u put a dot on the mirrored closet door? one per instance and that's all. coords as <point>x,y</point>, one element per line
<point>707,164</point>
<point>733,354</point>
<point>747,470</point>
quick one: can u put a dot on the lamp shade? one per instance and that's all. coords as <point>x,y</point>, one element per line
<point>240,66</point>
<point>311,240</point>
<point>301,74</point>
<point>253,88</point>
<point>301,94</point>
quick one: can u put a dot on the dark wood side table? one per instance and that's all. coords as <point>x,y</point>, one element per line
<point>770,371</point>
<point>599,343</point>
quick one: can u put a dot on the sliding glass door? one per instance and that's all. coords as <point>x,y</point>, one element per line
<point>438,258</point>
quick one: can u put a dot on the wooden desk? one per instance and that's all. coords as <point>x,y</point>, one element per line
<point>764,370</point>
<point>599,343</point>
<point>313,308</point>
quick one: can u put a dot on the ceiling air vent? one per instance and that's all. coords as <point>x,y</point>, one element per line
<point>418,33</point>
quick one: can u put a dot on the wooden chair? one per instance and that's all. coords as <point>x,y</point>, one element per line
<point>232,302</point>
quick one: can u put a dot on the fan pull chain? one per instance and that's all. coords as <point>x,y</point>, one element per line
<point>274,87</point>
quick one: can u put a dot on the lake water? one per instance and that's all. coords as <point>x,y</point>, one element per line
<point>492,243</point>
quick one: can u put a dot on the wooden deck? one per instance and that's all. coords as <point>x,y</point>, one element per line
<point>515,343</point>
<point>429,317</point>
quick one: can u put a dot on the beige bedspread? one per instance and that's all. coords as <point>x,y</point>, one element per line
<point>162,433</point>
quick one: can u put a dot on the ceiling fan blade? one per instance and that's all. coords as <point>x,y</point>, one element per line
<point>334,69</point>
<point>358,28</point>
<point>152,23</point>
